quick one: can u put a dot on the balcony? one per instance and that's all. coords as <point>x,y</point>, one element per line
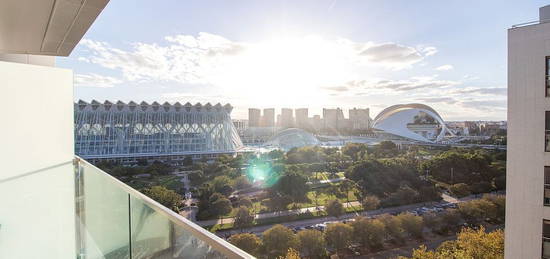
<point>116,221</point>
<point>96,217</point>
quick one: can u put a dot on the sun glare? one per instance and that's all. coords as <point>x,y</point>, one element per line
<point>286,70</point>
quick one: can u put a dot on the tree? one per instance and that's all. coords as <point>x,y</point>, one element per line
<point>291,254</point>
<point>412,224</point>
<point>393,228</point>
<point>369,232</point>
<point>334,208</point>
<point>355,150</point>
<point>241,182</point>
<point>245,201</point>
<point>220,205</point>
<point>250,243</point>
<point>339,235</point>
<point>292,184</point>
<point>222,184</point>
<point>347,186</point>
<point>278,239</point>
<point>475,211</point>
<point>312,243</point>
<point>243,218</point>
<point>500,202</point>
<point>168,198</point>
<point>187,161</point>
<point>469,244</point>
<point>386,148</point>
<point>370,202</point>
<point>460,190</point>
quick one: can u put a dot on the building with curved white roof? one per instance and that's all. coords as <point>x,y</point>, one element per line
<point>412,121</point>
<point>291,138</point>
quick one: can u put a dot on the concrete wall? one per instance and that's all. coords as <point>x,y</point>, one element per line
<point>37,213</point>
<point>29,59</point>
<point>527,48</point>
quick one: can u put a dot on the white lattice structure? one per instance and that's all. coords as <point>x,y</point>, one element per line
<point>120,130</point>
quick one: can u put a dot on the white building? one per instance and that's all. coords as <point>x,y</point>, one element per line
<point>528,173</point>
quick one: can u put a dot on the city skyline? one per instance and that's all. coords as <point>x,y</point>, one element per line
<point>332,55</point>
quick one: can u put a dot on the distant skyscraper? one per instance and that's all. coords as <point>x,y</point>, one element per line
<point>287,119</point>
<point>254,117</point>
<point>333,119</point>
<point>302,119</point>
<point>268,119</point>
<point>359,118</point>
<point>316,122</point>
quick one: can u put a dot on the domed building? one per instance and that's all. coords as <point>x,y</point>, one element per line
<point>412,121</point>
<point>291,138</point>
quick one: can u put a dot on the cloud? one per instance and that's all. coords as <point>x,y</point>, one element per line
<point>444,68</point>
<point>395,55</point>
<point>429,51</point>
<point>447,100</point>
<point>337,88</point>
<point>185,60</point>
<point>212,59</point>
<point>497,91</point>
<point>95,80</point>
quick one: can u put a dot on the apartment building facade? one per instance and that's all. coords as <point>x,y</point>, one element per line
<point>527,229</point>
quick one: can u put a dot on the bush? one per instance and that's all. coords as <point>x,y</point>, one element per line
<point>481,187</point>
<point>338,235</point>
<point>411,224</point>
<point>278,239</point>
<point>460,190</point>
<point>369,232</point>
<point>250,243</point>
<point>312,243</point>
<point>334,208</point>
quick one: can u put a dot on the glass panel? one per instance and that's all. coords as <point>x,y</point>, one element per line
<point>116,221</point>
<point>546,175</point>
<point>154,235</point>
<point>104,212</point>
<point>151,231</point>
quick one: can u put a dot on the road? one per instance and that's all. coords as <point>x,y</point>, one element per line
<point>371,213</point>
<point>446,198</point>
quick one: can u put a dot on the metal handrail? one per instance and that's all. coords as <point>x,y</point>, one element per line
<point>214,241</point>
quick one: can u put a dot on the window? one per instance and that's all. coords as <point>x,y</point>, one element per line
<point>547,78</point>
<point>547,186</point>
<point>546,238</point>
<point>547,132</point>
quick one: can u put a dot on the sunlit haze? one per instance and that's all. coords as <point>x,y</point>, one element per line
<point>312,54</point>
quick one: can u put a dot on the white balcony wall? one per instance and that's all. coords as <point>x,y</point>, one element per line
<point>37,207</point>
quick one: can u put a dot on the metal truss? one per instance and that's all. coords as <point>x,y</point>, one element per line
<point>107,130</point>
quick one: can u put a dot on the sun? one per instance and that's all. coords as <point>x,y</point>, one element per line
<point>286,70</point>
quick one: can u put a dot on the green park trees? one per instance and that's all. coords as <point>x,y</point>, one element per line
<point>339,235</point>
<point>278,239</point>
<point>243,218</point>
<point>168,198</point>
<point>247,242</point>
<point>312,243</point>
<point>368,232</point>
<point>334,208</point>
<point>469,244</point>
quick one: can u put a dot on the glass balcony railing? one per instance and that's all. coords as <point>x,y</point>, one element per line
<point>116,221</point>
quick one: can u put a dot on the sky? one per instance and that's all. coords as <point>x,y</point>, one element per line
<point>450,55</point>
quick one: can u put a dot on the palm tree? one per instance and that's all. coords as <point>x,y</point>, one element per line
<point>345,187</point>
